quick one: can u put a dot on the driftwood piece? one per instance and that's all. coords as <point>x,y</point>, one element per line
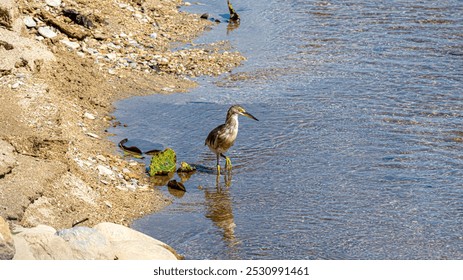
<point>67,29</point>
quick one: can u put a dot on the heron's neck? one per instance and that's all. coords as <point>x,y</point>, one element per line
<point>232,120</point>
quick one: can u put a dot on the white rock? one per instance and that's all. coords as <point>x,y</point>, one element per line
<point>130,186</point>
<point>93,135</point>
<point>89,116</point>
<point>187,4</point>
<point>46,32</point>
<point>111,56</point>
<point>70,44</point>
<point>105,171</point>
<point>29,22</point>
<point>53,3</point>
<point>128,244</point>
<point>154,35</point>
<point>167,89</point>
<point>40,243</point>
<point>101,158</point>
<point>15,85</point>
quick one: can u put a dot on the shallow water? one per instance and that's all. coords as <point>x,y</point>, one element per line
<point>358,150</point>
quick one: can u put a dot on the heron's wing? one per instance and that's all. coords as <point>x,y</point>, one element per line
<point>212,139</point>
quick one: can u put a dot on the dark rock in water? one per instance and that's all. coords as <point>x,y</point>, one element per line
<point>131,150</point>
<point>163,163</point>
<point>205,16</point>
<point>173,184</point>
<point>152,152</point>
<point>233,14</point>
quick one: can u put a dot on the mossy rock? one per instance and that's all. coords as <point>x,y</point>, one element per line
<point>186,168</point>
<point>163,163</point>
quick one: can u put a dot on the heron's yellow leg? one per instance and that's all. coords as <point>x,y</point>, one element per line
<point>228,164</point>
<point>218,169</point>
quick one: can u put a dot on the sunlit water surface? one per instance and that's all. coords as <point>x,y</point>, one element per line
<point>358,152</point>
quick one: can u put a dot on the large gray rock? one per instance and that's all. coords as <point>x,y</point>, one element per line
<point>8,13</point>
<point>40,243</point>
<point>106,241</point>
<point>7,158</point>
<point>129,244</point>
<point>7,249</point>
<point>87,243</point>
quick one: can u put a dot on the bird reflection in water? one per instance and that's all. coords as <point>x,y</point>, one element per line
<point>219,209</point>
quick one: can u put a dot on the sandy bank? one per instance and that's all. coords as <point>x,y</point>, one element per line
<point>56,90</point>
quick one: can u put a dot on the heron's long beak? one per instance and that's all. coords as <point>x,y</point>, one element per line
<point>246,114</point>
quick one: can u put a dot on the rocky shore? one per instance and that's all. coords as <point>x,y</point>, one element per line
<point>62,65</point>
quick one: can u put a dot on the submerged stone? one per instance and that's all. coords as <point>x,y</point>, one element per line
<point>163,163</point>
<point>185,167</point>
<point>173,184</point>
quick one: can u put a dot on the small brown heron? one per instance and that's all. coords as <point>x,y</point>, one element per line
<point>221,138</point>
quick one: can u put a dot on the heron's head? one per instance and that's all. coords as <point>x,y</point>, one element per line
<point>237,109</point>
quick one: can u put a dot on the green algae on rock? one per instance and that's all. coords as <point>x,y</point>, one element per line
<point>163,163</point>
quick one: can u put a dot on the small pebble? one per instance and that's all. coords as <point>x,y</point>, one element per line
<point>46,32</point>
<point>105,171</point>
<point>15,85</point>
<point>167,89</point>
<point>93,135</point>
<point>29,22</point>
<point>69,44</point>
<point>53,3</point>
<point>111,56</point>
<point>89,116</point>
<point>101,158</point>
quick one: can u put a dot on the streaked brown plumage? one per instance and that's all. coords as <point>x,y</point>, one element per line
<point>221,138</point>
